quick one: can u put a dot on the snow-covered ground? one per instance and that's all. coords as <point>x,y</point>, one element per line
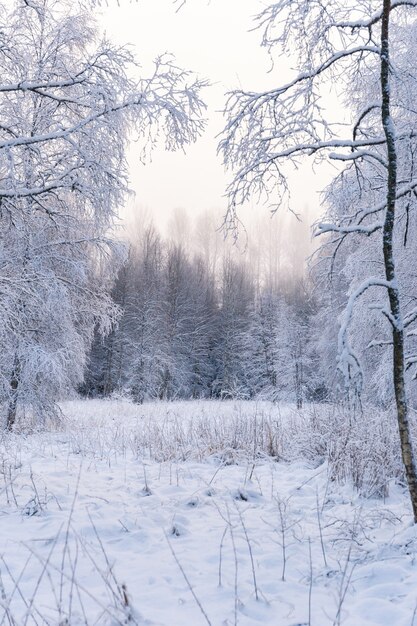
<point>184,514</point>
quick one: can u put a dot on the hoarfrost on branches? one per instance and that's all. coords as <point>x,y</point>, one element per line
<point>69,102</point>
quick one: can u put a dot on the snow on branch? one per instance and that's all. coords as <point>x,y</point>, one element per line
<point>88,107</point>
<point>287,21</point>
<point>348,362</point>
<point>358,154</point>
<point>265,130</point>
<point>354,223</point>
<point>355,228</point>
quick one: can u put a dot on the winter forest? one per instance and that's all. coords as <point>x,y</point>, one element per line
<point>208,322</point>
<point>208,305</point>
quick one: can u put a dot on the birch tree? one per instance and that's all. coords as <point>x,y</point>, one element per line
<point>69,102</point>
<point>345,45</point>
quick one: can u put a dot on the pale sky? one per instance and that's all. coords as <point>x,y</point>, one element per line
<point>213,39</point>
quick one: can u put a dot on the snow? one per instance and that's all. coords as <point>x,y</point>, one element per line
<point>97,526</point>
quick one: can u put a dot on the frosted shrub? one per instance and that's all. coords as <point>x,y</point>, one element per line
<point>366,451</point>
<point>227,439</point>
<point>362,449</point>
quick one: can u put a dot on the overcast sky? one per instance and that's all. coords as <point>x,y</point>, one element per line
<point>213,39</point>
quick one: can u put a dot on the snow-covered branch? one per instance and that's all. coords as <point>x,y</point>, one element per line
<point>69,103</point>
<point>348,361</point>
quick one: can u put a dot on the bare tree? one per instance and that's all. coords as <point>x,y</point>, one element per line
<point>351,47</point>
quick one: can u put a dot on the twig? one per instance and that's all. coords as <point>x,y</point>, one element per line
<point>220,555</point>
<point>190,587</point>
<point>255,584</point>
<point>320,530</point>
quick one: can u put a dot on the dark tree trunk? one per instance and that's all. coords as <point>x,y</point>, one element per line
<point>108,378</point>
<point>14,384</point>
<point>389,261</point>
<point>298,384</point>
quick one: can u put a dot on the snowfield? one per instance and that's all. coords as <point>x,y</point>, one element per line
<point>181,514</point>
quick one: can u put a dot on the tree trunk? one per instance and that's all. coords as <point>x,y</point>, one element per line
<point>389,261</point>
<point>108,379</point>
<point>298,385</point>
<point>14,384</point>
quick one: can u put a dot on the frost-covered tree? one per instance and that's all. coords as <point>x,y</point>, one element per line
<point>143,316</point>
<point>68,101</point>
<point>283,356</point>
<point>265,334</point>
<point>163,345</point>
<point>105,365</point>
<point>343,44</point>
<point>233,346</point>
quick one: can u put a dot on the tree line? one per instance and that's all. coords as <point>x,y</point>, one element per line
<point>212,323</point>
